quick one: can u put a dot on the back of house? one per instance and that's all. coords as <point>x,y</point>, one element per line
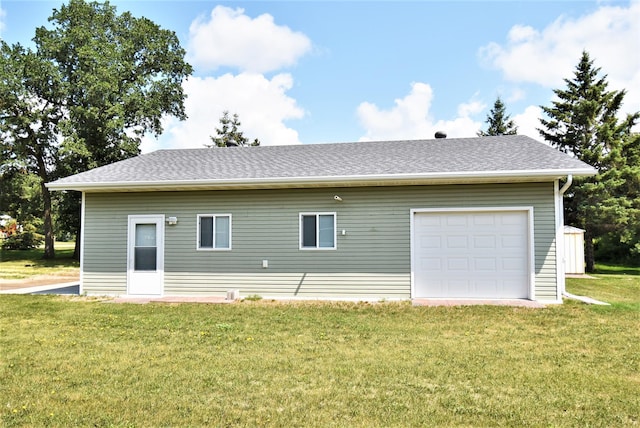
<point>476,218</point>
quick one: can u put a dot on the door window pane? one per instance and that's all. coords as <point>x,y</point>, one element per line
<point>145,235</point>
<point>145,258</point>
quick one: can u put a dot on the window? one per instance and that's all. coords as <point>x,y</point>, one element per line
<point>318,231</point>
<point>145,249</point>
<point>214,231</point>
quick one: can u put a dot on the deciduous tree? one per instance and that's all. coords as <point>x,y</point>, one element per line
<point>100,82</point>
<point>31,96</point>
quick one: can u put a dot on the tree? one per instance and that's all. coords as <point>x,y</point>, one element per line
<point>618,210</point>
<point>584,122</point>
<point>21,196</point>
<point>101,82</point>
<point>499,121</point>
<point>229,134</point>
<point>31,96</point>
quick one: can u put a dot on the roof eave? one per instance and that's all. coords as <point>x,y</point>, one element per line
<point>331,181</point>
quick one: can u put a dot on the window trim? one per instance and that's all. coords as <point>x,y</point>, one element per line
<point>317,246</point>
<point>214,216</point>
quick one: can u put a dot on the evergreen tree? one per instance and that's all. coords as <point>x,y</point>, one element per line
<point>584,122</point>
<point>229,134</point>
<point>499,121</point>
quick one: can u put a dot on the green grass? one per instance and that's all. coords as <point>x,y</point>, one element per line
<point>617,269</point>
<point>18,264</point>
<point>81,362</point>
<point>618,285</point>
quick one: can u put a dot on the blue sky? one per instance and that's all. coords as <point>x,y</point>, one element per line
<point>332,71</point>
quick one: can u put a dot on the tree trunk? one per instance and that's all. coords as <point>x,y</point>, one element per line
<point>588,252</point>
<point>76,248</point>
<point>49,251</point>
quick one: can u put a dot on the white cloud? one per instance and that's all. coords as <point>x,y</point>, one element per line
<point>471,108</point>
<point>528,122</point>
<point>231,38</point>
<point>610,34</point>
<point>261,104</point>
<point>516,94</point>
<point>410,118</point>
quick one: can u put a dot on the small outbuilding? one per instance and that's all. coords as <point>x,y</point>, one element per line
<point>455,218</point>
<point>573,250</point>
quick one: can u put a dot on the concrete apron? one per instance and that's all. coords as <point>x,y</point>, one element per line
<point>523,303</point>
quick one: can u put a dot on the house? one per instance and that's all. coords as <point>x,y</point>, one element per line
<point>443,218</point>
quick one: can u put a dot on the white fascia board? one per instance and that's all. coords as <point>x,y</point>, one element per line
<point>326,181</point>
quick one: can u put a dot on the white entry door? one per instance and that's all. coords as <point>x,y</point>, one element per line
<point>472,254</point>
<point>145,264</point>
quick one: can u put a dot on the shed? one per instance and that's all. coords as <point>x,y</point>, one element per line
<point>573,250</point>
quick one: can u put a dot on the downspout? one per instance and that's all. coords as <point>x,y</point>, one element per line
<point>564,292</point>
<point>566,186</point>
<point>561,193</point>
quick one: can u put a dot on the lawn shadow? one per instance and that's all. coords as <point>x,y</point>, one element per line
<point>617,270</point>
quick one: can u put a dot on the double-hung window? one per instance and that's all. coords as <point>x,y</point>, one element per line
<point>317,231</point>
<point>214,231</point>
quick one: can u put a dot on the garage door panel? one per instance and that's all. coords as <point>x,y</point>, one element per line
<point>458,287</point>
<point>456,220</point>
<point>429,241</point>
<point>471,254</point>
<point>485,264</point>
<point>484,241</point>
<point>484,220</point>
<point>514,219</point>
<point>514,264</point>
<point>457,242</point>
<point>512,241</point>
<point>431,264</point>
<point>456,264</point>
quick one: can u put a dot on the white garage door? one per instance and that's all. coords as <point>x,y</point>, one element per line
<point>471,254</point>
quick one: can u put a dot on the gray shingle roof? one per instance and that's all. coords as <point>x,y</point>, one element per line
<point>454,158</point>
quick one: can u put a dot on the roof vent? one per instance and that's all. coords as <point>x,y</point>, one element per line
<point>441,134</point>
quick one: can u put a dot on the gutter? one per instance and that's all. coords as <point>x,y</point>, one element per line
<point>322,181</point>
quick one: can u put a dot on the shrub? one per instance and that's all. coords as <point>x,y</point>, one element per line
<point>26,240</point>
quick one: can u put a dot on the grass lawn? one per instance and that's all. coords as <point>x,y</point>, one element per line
<point>16,264</point>
<point>79,362</point>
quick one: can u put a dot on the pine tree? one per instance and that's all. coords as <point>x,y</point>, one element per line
<point>229,134</point>
<point>499,121</point>
<point>584,122</point>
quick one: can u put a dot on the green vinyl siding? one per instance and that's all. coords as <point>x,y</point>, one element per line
<point>372,258</point>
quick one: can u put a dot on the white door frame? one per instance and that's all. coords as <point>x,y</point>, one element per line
<point>145,283</point>
<point>531,247</point>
